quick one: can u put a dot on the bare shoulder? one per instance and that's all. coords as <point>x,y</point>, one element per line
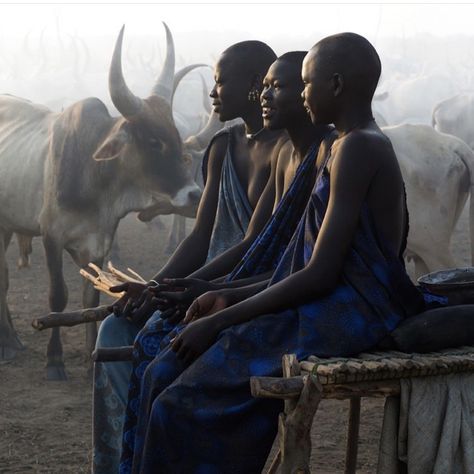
<point>218,148</point>
<point>284,152</point>
<point>366,148</point>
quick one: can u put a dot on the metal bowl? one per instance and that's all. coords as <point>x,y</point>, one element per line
<point>455,283</point>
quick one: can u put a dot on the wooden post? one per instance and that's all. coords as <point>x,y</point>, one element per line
<point>352,436</point>
<point>294,425</point>
<point>112,354</point>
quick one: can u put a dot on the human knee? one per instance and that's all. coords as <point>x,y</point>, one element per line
<point>115,331</point>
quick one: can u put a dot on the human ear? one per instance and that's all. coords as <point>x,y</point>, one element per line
<point>338,84</point>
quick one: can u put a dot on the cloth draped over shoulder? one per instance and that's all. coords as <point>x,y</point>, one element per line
<point>234,211</point>
<point>268,248</point>
<point>209,402</point>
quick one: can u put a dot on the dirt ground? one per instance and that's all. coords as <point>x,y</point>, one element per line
<point>45,427</point>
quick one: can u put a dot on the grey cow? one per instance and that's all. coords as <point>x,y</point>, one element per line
<point>71,176</point>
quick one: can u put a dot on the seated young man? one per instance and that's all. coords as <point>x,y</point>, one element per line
<point>339,288</point>
<point>239,162</point>
<point>294,178</point>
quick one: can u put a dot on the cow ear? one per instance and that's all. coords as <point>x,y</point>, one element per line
<point>112,146</point>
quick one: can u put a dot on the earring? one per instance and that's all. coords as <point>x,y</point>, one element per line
<point>254,95</point>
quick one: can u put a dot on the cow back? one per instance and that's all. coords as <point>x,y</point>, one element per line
<point>77,180</point>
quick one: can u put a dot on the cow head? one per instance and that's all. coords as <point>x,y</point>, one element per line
<point>145,138</point>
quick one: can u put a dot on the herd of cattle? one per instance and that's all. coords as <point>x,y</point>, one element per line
<point>69,176</point>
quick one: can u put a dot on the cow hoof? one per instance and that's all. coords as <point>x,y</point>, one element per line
<point>56,373</point>
<point>7,353</point>
<point>10,348</point>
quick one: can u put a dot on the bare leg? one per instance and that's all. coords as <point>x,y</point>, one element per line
<point>57,302</point>
<point>10,344</point>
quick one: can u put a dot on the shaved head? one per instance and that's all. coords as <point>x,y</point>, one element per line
<point>352,56</point>
<point>294,57</point>
<point>254,57</point>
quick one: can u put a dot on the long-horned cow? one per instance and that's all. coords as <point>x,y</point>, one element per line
<point>438,170</point>
<point>71,176</point>
<point>456,117</point>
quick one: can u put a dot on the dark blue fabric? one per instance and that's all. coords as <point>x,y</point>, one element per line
<point>263,255</point>
<point>268,248</point>
<point>203,419</point>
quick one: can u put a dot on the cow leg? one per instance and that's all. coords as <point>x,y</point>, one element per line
<point>10,344</point>
<point>420,266</point>
<point>177,233</point>
<point>114,253</point>
<point>430,262</point>
<point>57,302</point>
<point>25,249</point>
<point>181,229</point>
<point>90,299</point>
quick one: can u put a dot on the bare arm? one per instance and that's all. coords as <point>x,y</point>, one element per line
<point>355,164</point>
<point>225,262</point>
<point>192,252</point>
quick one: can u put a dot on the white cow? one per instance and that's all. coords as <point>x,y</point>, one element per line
<point>71,176</point>
<point>411,100</point>
<point>438,170</point>
<point>456,117</point>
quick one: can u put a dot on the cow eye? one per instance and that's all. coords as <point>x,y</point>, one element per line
<point>155,144</point>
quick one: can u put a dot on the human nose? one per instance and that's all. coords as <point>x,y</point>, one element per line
<point>213,93</point>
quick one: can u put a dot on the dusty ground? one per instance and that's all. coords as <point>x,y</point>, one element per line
<point>45,427</point>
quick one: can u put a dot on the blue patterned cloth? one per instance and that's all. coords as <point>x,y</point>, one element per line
<point>203,419</point>
<point>268,248</point>
<point>263,255</point>
<point>111,379</point>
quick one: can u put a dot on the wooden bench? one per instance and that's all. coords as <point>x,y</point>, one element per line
<point>376,374</point>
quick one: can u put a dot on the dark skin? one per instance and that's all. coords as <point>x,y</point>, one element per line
<point>253,161</point>
<point>362,168</point>
<point>282,108</point>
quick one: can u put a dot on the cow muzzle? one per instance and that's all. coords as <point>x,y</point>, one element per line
<point>187,200</point>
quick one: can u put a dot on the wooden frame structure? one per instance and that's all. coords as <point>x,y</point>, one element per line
<point>375,374</point>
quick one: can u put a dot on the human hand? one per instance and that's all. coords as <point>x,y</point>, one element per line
<point>194,340</point>
<point>184,291</point>
<point>207,304</point>
<point>124,305</point>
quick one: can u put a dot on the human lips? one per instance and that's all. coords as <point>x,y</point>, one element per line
<point>267,111</point>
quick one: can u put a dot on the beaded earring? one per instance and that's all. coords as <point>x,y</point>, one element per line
<point>254,95</point>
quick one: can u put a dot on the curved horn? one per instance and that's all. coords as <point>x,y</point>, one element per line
<point>205,95</point>
<point>164,84</point>
<point>126,103</point>
<point>202,139</point>
<point>181,73</point>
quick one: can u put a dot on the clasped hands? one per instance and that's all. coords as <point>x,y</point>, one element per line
<point>186,300</point>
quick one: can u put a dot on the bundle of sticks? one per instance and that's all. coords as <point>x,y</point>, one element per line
<point>104,280</point>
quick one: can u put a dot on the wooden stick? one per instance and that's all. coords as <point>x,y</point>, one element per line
<point>276,387</point>
<point>290,388</point>
<point>121,275</point>
<point>112,354</point>
<point>134,273</point>
<point>72,318</point>
<point>352,436</point>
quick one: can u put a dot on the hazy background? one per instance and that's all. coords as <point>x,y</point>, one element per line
<point>58,53</point>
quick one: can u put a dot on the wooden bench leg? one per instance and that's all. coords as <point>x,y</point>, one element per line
<point>352,436</point>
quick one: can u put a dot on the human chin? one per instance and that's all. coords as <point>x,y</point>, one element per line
<point>272,122</point>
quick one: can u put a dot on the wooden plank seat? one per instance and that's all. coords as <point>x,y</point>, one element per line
<point>372,374</point>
